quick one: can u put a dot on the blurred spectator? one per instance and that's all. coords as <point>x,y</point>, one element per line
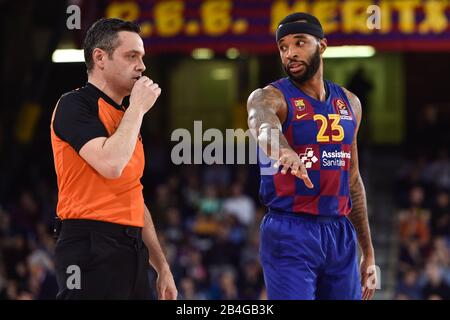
<point>440,214</point>
<point>424,226</point>
<point>238,232</point>
<point>226,287</point>
<point>25,214</point>
<point>3,280</point>
<point>195,268</point>
<point>188,290</point>
<point>361,85</point>
<point>436,287</point>
<point>414,220</point>
<point>411,256</point>
<point>437,172</point>
<point>14,251</point>
<point>173,226</point>
<point>191,193</point>
<point>429,126</point>
<point>205,226</point>
<point>240,205</point>
<point>223,251</point>
<point>250,251</point>
<point>209,202</point>
<point>251,281</point>
<point>410,175</point>
<point>42,281</point>
<point>408,287</point>
<point>162,202</point>
<point>217,175</point>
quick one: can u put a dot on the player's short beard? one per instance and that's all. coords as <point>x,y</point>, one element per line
<point>310,68</point>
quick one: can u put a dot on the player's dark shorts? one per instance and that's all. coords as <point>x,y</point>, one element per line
<point>309,257</point>
<point>110,260</point>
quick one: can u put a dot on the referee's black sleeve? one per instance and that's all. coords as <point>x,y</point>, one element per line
<point>76,120</point>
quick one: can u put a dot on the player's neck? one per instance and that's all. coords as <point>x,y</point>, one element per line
<point>314,87</point>
<point>105,87</point>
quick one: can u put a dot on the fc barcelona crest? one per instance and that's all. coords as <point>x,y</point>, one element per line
<point>299,104</point>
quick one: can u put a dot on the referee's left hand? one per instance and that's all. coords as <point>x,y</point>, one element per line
<point>165,285</point>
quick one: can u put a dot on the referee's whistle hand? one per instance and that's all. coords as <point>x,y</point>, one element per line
<point>144,94</point>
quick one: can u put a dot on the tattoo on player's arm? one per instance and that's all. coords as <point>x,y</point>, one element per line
<point>262,107</point>
<point>358,215</point>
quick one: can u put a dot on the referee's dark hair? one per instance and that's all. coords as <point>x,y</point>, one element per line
<point>103,35</point>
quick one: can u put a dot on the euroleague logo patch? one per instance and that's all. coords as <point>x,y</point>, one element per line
<point>342,109</point>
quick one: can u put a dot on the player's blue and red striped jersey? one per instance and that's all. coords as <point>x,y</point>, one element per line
<point>322,134</point>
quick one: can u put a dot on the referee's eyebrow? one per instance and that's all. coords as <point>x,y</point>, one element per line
<point>140,52</point>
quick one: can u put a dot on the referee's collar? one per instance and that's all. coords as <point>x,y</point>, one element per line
<point>107,98</point>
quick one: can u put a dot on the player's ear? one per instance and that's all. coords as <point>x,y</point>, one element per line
<point>98,57</point>
<point>323,45</point>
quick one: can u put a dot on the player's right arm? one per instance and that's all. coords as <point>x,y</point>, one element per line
<point>109,156</point>
<point>265,107</point>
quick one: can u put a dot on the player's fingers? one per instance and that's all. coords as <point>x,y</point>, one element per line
<point>303,174</point>
<point>365,293</point>
<point>371,294</point>
<point>368,294</point>
<point>308,182</point>
<point>280,162</point>
<point>364,286</point>
<point>286,167</point>
<point>294,168</point>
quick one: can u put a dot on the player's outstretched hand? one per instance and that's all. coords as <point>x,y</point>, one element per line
<point>289,160</point>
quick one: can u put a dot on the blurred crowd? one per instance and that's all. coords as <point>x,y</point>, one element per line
<point>206,221</point>
<point>208,226</point>
<point>422,195</point>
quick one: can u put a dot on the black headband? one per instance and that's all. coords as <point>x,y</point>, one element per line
<point>299,27</point>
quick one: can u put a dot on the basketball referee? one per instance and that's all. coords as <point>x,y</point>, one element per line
<point>107,238</point>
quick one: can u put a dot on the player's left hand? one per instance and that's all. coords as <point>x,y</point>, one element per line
<point>369,279</point>
<point>165,285</point>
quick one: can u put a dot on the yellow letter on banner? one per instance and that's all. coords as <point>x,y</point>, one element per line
<point>326,13</point>
<point>354,16</point>
<point>386,16</point>
<point>169,17</point>
<point>216,16</point>
<point>406,11</point>
<point>123,10</point>
<point>435,18</point>
<point>281,9</point>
